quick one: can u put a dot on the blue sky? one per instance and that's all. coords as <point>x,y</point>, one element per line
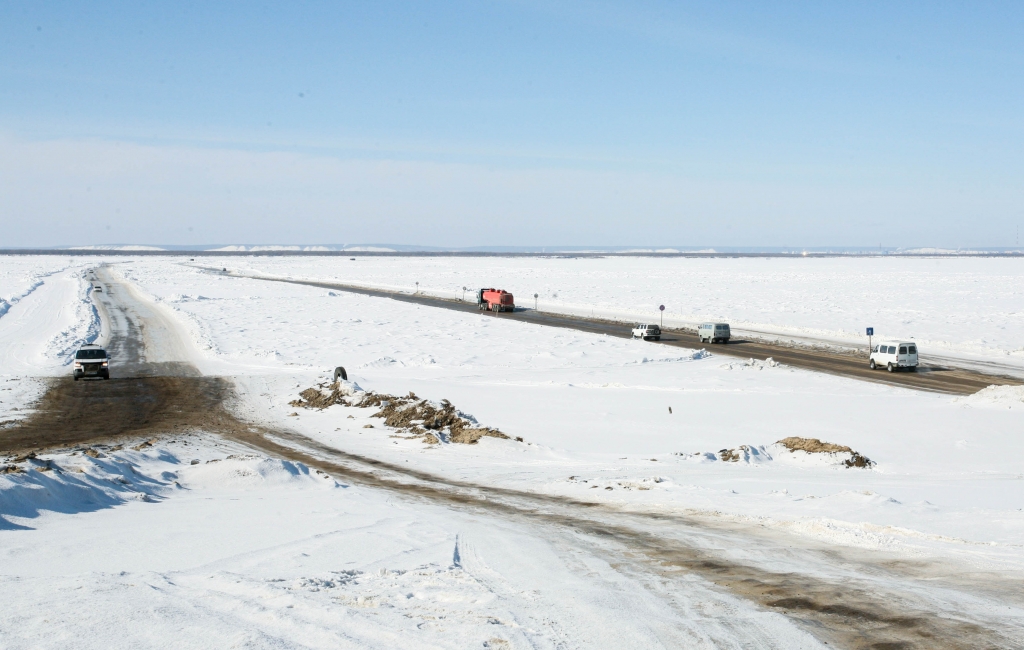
<point>515,123</point>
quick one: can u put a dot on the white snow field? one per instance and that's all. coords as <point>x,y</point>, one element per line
<point>146,549</point>
<point>45,314</point>
<point>966,308</point>
<point>130,548</point>
<point>598,408</point>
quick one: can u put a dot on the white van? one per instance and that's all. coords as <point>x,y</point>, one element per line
<point>713,332</point>
<point>893,355</point>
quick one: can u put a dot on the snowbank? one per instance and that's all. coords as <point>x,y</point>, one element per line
<point>42,326</point>
<point>995,396</point>
<point>807,452</point>
<point>99,477</point>
<point>248,472</point>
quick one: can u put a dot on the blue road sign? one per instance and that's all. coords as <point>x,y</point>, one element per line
<point>871,331</point>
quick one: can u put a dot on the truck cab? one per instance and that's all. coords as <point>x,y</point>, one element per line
<point>893,355</point>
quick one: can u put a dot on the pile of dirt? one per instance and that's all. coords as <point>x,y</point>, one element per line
<point>325,395</point>
<point>730,455</point>
<point>419,417</point>
<point>815,446</point>
<point>314,398</point>
<point>433,423</point>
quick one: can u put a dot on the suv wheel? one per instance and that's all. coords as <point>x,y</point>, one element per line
<point>889,367</point>
<point>871,364</point>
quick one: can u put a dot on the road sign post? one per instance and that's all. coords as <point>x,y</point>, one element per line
<point>871,332</point>
<point>535,301</point>
<point>662,308</point>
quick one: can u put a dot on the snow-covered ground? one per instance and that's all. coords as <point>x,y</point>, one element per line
<point>196,544</point>
<point>20,276</point>
<point>45,314</point>
<point>597,408</point>
<point>280,552</point>
<point>971,308</point>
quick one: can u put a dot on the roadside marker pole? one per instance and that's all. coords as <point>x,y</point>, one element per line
<point>871,332</point>
<point>535,302</point>
<point>662,308</point>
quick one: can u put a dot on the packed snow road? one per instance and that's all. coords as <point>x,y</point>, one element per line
<point>151,392</point>
<point>746,583</point>
<point>929,377</point>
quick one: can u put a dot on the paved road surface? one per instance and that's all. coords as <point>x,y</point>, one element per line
<point>929,377</point>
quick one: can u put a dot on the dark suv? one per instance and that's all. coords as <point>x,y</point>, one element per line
<point>92,361</point>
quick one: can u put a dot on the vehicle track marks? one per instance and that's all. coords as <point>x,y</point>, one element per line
<point>850,599</point>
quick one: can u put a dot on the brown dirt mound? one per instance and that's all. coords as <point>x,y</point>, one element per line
<point>409,414</point>
<point>815,446</point>
<point>314,398</point>
<point>729,455</point>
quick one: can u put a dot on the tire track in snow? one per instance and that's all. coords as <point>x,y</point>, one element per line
<point>842,596</point>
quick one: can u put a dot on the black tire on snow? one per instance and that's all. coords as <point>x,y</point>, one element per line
<point>871,364</point>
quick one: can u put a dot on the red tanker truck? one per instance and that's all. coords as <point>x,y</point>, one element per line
<point>495,300</point>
